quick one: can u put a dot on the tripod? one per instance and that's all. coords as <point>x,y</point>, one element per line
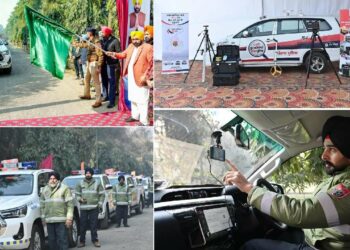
<point>315,36</point>
<point>208,47</point>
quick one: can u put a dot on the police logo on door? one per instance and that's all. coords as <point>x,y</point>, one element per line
<point>257,48</point>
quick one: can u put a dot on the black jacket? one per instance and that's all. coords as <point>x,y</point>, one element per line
<point>111,44</point>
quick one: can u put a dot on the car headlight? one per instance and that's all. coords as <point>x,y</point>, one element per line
<point>5,52</point>
<point>17,212</point>
<point>3,225</point>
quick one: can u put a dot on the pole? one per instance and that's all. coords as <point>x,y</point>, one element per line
<point>204,55</point>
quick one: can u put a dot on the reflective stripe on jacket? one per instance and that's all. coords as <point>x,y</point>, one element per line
<point>91,191</point>
<point>325,217</point>
<point>121,194</point>
<point>56,204</point>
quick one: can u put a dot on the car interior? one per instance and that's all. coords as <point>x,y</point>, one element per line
<point>217,216</point>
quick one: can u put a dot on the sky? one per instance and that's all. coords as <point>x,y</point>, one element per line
<point>6,7</point>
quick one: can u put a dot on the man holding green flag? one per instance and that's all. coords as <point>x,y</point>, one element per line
<point>49,42</point>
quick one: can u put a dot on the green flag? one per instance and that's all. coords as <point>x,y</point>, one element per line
<point>49,42</point>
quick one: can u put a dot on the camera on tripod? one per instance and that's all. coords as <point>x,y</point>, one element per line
<point>216,152</point>
<point>312,25</point>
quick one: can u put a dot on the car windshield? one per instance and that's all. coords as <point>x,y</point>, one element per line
<point>16,184</point>
<point>72,182</point>
<point>183,138</point>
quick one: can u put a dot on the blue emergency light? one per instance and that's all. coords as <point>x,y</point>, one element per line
<point>29,165</point>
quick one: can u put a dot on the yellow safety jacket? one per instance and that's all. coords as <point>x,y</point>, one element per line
<point>56,204</point>
<point>92,192</point>
<point>325,217</point>
<point>121,195</point>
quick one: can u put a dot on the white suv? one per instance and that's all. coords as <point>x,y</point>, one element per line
<point>5,58</point>
<point>20,210</point>
<point>257,42</point>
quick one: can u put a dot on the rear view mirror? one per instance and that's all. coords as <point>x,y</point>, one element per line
<point>241,137</point>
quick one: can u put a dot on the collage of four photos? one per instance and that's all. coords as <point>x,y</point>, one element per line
<point>175,125</point>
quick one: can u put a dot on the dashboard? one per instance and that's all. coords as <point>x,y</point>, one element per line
<point>194,218</point>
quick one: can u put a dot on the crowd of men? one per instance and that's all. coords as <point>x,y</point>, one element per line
<point>96,59</point>
<point>57,207</point>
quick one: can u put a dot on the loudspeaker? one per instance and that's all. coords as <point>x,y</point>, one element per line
<point>225,67</point>
<point>228,52</point>
<point>226,79</point>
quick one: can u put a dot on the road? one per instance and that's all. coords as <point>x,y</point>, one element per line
<point>31,92</point>
<point>139,236</point>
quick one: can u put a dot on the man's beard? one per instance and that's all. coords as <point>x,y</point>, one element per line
<point>137,10</point>
<point>53,185</point>
<point>148,39</point>
<point>137,44</point>
<point>331,169</point>
<point>88,177</point>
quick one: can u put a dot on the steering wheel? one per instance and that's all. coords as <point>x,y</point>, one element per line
<point>275,223</point>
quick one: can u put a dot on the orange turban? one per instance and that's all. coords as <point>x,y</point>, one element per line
<point>149,29</point>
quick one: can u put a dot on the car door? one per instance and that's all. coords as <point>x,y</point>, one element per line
<point>132,190</point>
<point>254,44</point>
<point>292,40</point>
<point>109,194</point>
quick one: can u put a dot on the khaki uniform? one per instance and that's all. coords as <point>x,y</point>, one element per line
<point>94,61</point>
<point>56,204</point>
<point>325,217</point>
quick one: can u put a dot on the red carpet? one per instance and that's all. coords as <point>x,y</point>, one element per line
<point>257,89</point>
<point>108,119</point>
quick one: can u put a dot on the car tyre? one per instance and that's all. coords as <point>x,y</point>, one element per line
<point>105,221</point>
<point>139,208</point>
<point>73,233</point>
<point>37,239</point>
<point>318,63</point>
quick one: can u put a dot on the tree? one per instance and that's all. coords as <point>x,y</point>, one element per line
<point>126,148</point>
<point>75,15</point>
<point>301,171</point>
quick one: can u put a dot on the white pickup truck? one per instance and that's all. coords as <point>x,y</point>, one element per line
<point>21,226</point>
<point>137,193</point>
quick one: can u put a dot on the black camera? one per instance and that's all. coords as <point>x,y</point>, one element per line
<point>312,25</point>
<point>216,152</point>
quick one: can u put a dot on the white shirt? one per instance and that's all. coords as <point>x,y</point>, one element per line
<point>135,93</point>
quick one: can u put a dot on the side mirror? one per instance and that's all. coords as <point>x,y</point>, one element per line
<point>241,137</point>
<point>6,43</point>
<point>108,186</point>
<point>245,33</point>
<point>131,185</point>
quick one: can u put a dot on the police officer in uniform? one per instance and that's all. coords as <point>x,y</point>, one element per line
<point>326,215</point>
<point>90,195</point>
<point>122,201</point>
<point>95,60</point>
<point>56,206</point>
<point>110,68</point>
